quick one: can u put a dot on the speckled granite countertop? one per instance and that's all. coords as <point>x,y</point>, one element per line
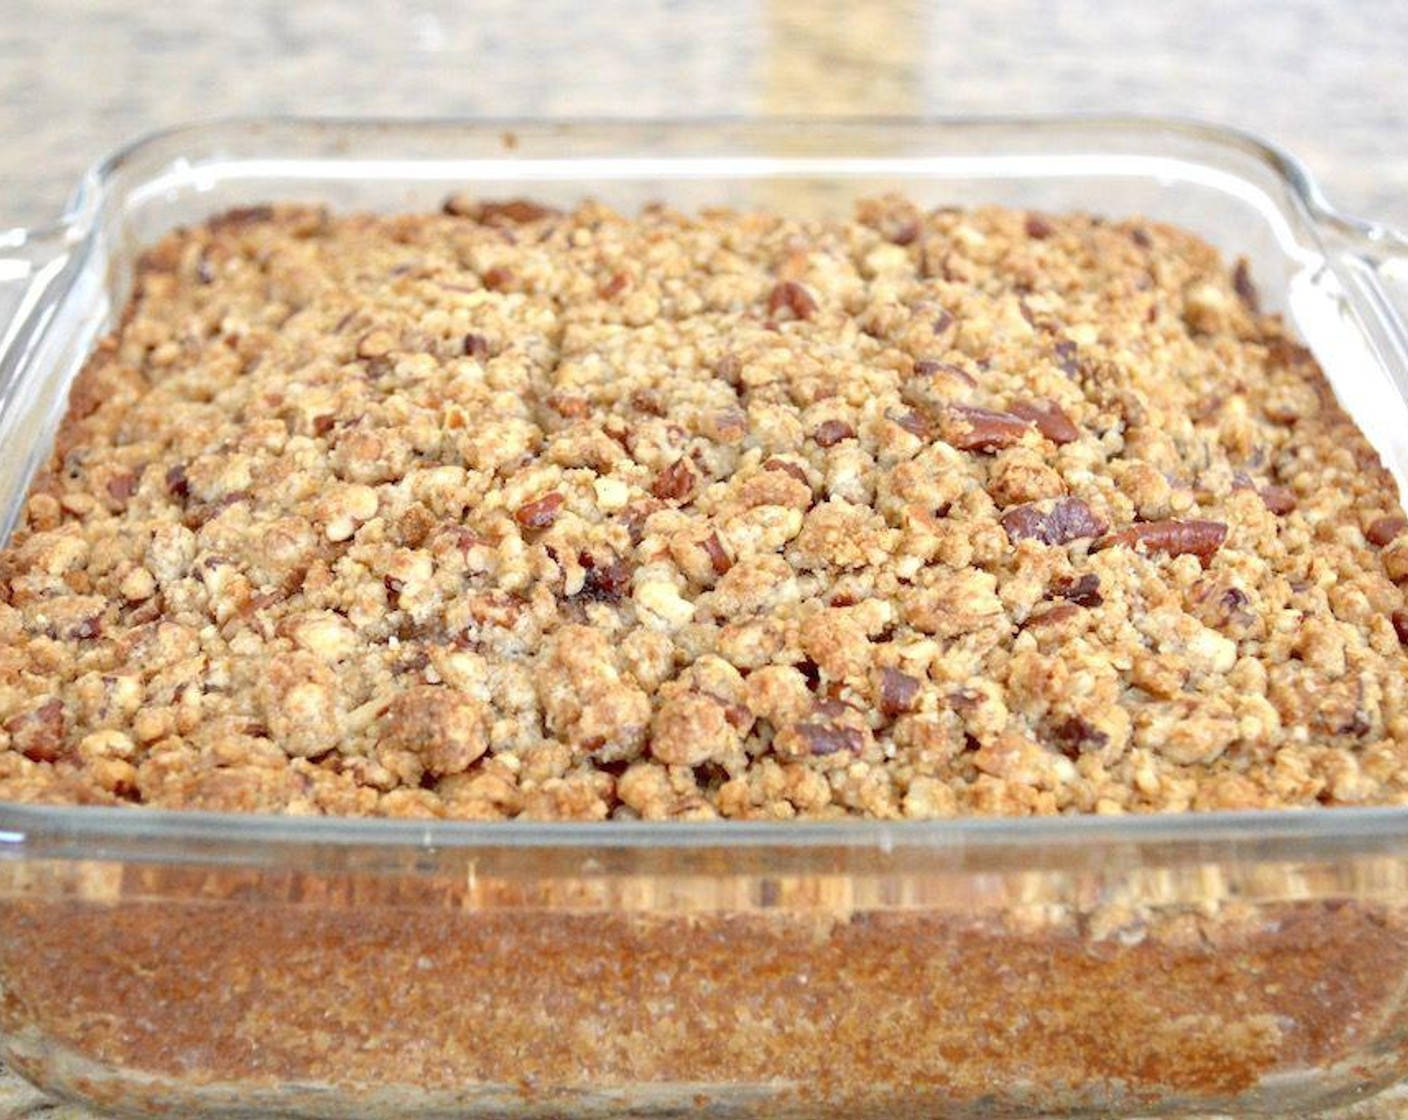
<point>1322,78</point>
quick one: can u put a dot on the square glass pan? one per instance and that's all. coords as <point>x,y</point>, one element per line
<point>206,965</point>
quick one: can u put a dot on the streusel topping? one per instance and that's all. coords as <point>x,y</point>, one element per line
<point>510,512</point>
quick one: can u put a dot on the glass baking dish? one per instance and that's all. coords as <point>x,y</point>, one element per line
<point>195,964</point>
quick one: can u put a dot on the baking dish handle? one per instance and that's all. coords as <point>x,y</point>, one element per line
<point>31,265</point>
<point>1373,260</point>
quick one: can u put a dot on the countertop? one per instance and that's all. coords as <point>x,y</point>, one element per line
<point>1322,78</point>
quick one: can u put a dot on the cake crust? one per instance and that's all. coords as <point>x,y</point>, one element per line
<point>507,512</point>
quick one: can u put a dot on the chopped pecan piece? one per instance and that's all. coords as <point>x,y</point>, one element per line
<point>1385,529</point>
<point>604,583</point>
<point>1234,599</point>
<point>1038,228</point>
<point>541,512</point>
<point>826,738</point>
<point>1059,521</point>
<point>1282,353</point>
<point>569,405</point>
<point>475,346</point>
<point>833,708</point>
<point>904,233</point>
<point>1246,290</point>
<point>1083,592</point>
<point>634,518</point>
<point>1067,356</point>
<point>718,558</point>
<point>831,432</point>
<point>1049,419</point>
<point>729,368</point>
<point>39,734</point>
<point>913,423</point>
<point>1074,737</point>
<point>464,538</point>
<point>1280,500</point>
<point>729,425</point>
<point>675,483</point>
<point>791,468</point>
<point>615,286</point>
<point>1051,616</point>
<point>791,295</point>
<point>648,401</point>
<point>121,487</point>
<point>498,279</point>
<point>508,212</point>
<point>241,216</point>
<point>1175,538</point>
<point>983,429</point>
<point>1400,626</point>
<point>86,628</point>
<point>898,692</point>
<point>176,484</point>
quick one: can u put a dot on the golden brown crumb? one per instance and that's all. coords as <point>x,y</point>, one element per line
<point>507,511</point>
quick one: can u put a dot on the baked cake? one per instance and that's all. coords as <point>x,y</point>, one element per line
<point>510,512</point>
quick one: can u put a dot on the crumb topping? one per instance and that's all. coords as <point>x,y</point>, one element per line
<point>507,512</point>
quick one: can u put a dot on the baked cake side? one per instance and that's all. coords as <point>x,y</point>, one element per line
<point>511,512</point>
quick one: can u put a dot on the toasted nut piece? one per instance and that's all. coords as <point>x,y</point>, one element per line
<point>541,512</point>
<point>1243,286</point>
<point>1175,538</point>
<point>1385,529</point>
<point>1074,737</point>
<point>39,733</point>
<point>1052,616</point>
<point>1084,591</point>
<point>675,483</point>
<point>913,423</point>
<point>791,295</point>
<point>1049,419</point>
<point>508,212</point>
<point>970,428</point>
<point>898,692</point>
<point>606,583</point>
<point>718,558</point>
<point>1395,557</point>
<point>832,727</point>
<point>825,738</point>
<point>793,469</point>
<point>1280,500</point>
<point>832,432</point>
<point>1053,522</point>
